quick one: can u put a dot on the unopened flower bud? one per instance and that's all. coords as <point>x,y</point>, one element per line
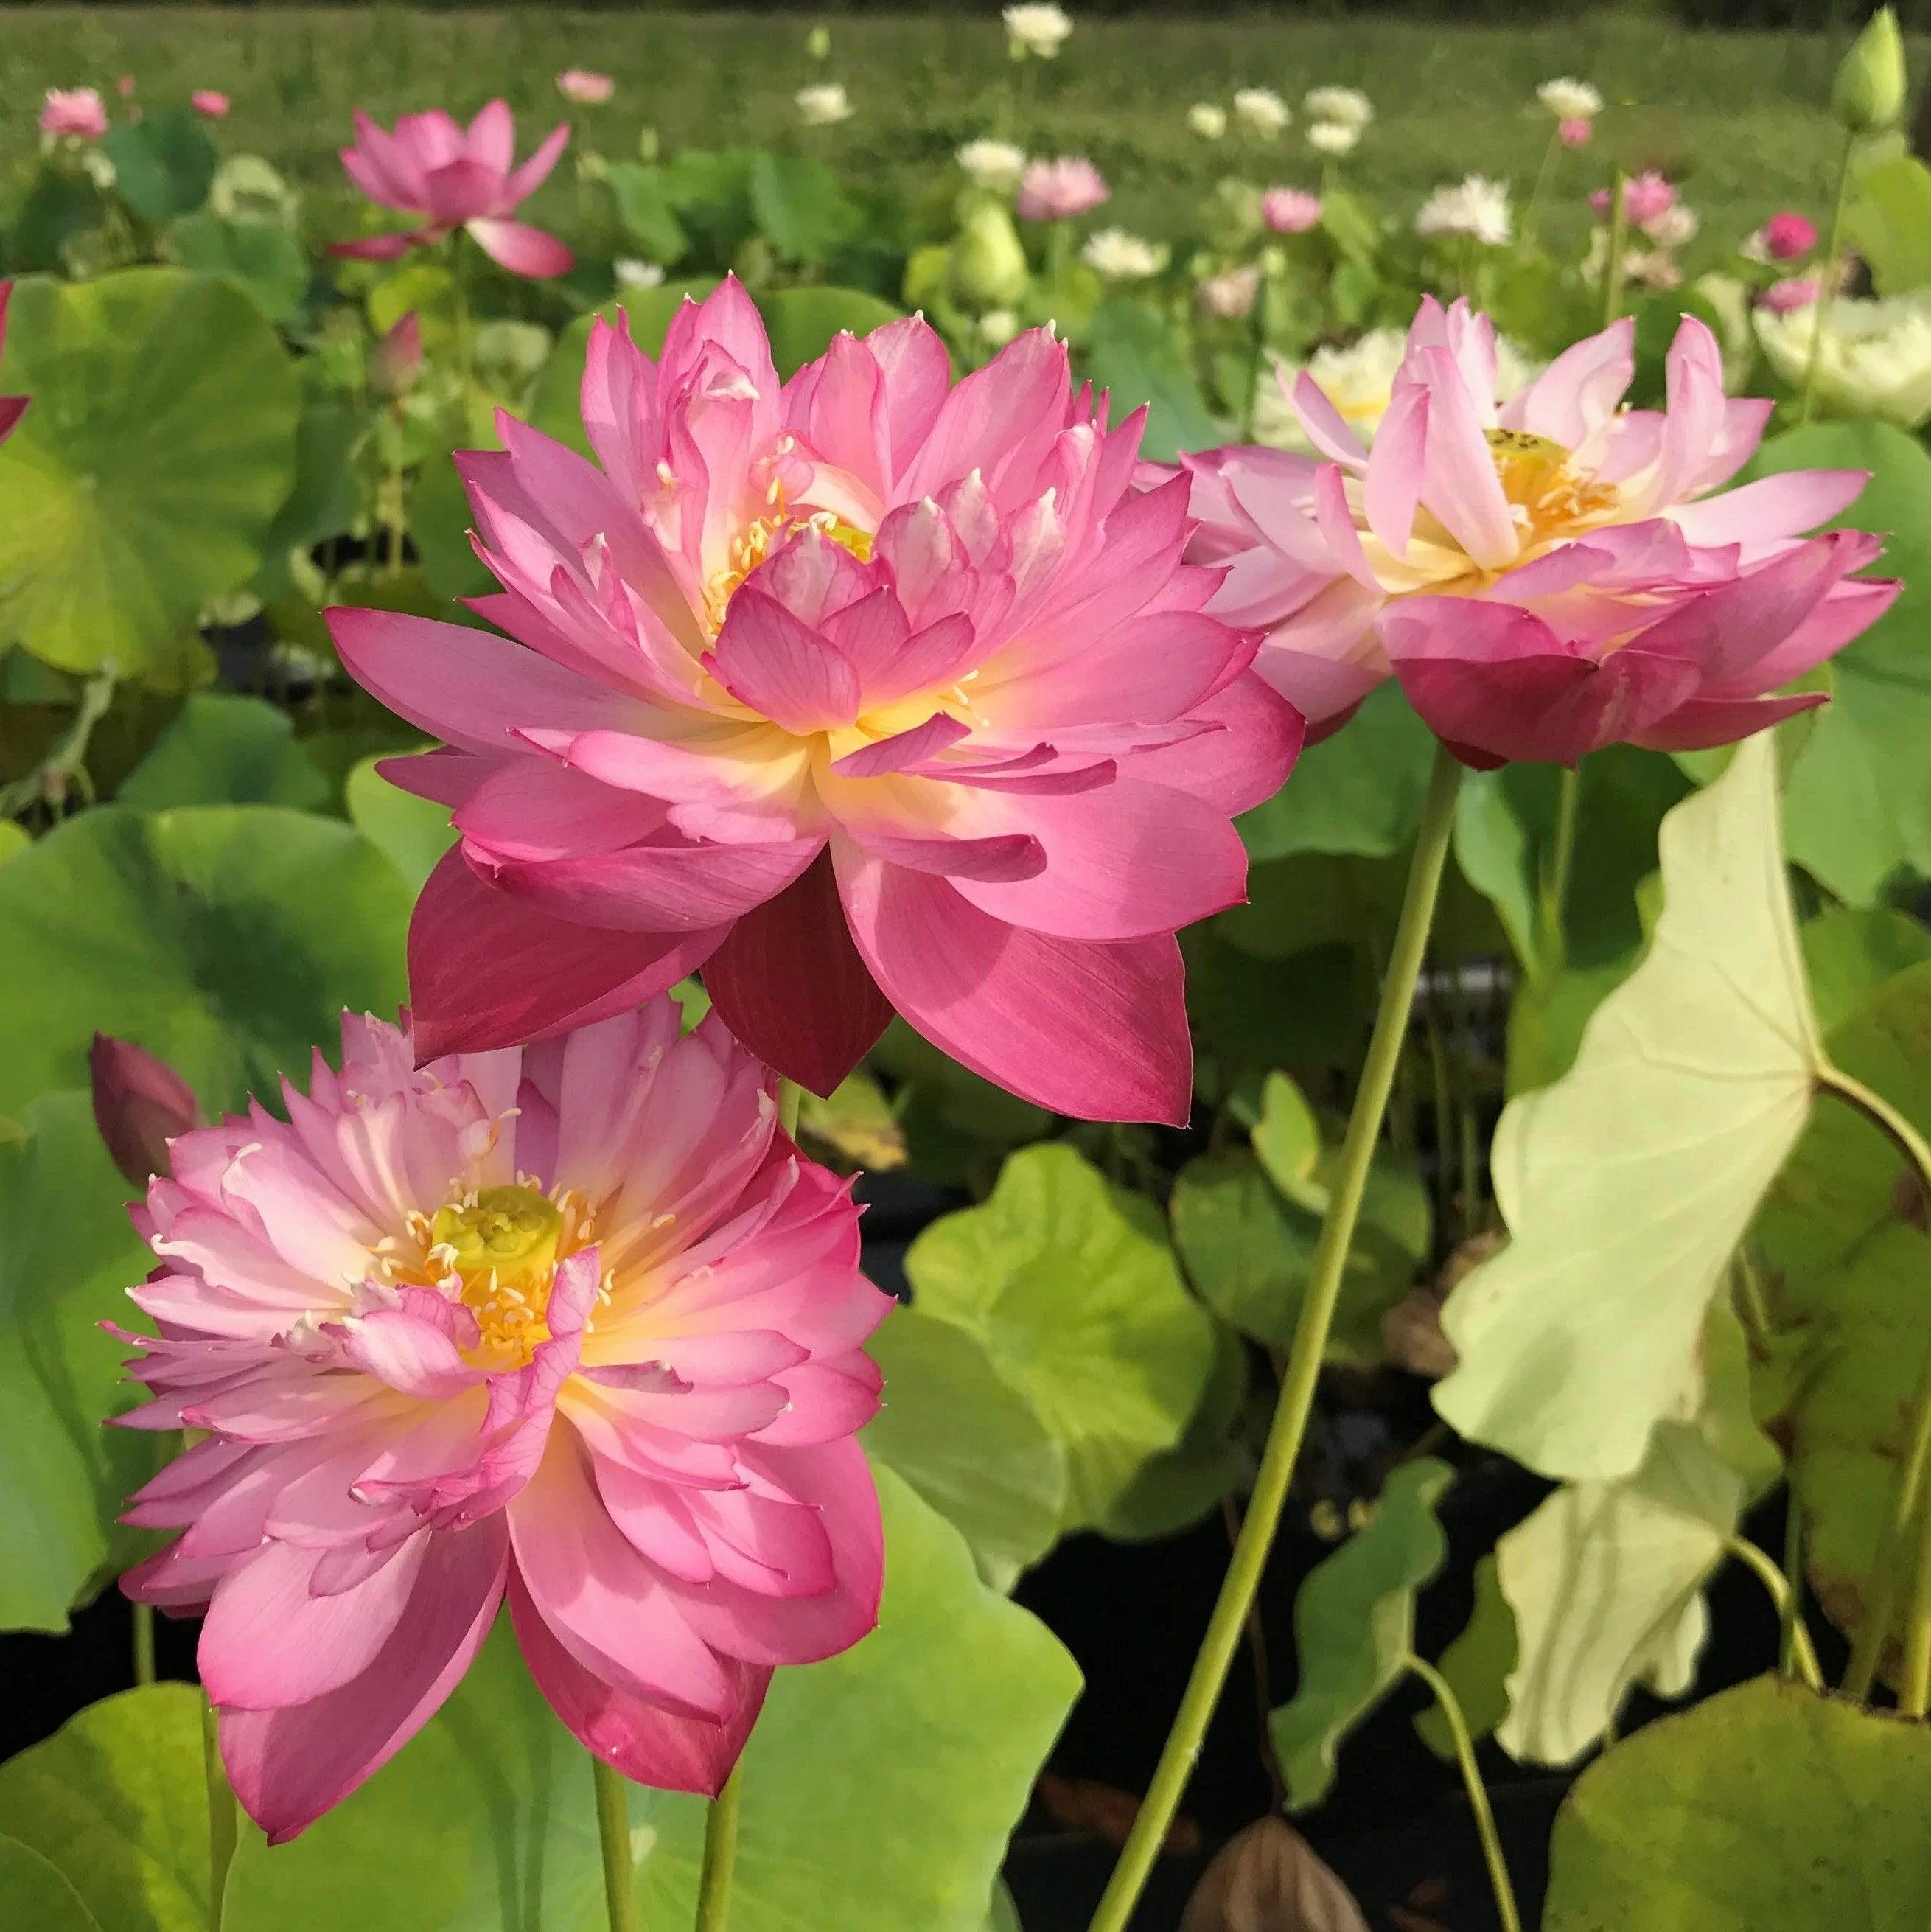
<point>140,1103</point>
<point>1868,94</point>
<point>396,361</point>
<point>988,265</point>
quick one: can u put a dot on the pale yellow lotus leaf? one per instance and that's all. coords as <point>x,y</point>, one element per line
<point>1627,1184</point>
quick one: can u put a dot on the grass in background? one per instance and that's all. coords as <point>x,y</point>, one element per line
<point>1738,118</point>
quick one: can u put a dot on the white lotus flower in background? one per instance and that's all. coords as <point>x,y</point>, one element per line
<point>1207,121</point>
<point>1673,227</point>
<point>1358,377</point>
<point>1230,294</point>
<point>633,274</point>
<point>1569,100</point>
<point>1475,206</point>
<point>997,327</point>
<point>1117,256</point>
<point>996,165</point>
<point>1333,137</point>
<point>1261,109</point>
<point>821,105</point>
<point>1876,358</point>
<point>1652,268</point>
<point>1036,29</point>
<point>1345,106</point>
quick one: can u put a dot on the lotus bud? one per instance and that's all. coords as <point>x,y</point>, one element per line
<point>1868,94</point>
<point>818,44</point>
<point>140,1103</point>
<point>988,265</point>
<point>396,361</point>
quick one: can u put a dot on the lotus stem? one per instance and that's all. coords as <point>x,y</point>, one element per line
<point>1773,1580</point>
<point>721,1847</point>
<point>1302,1370</point>
<point>1827,282</point>
<point>144,1645</point>
<point>1555,876</point>
<point>1619,235</point>
<point>221,1823</point>
<point>1478,1793</point>
<point>613,1834</point>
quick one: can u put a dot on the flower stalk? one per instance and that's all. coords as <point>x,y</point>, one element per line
<point>222,1825</point>
<point>613,1835</point>
<point>1298,1382</point>
<point>1827,281</point>
<point>1506,1909</point>
<point>721,1846</point>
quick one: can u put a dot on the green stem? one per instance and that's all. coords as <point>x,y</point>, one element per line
<point>613,1834</point>
<point>1532,217</point>
<point>1471,1219</point>
<point>1778,1584</point>
<point>1914,1684</point>
<point>1790,1611</point>
<point>1826,285</point>
<point>1257,358</point>
<point>721,1846</point>
<point>144,1644</point>
<point>1303,1371</point>
<point>1444,1104</point>
<point>1619,235</point>
<point>221,1824</point>
<point>1881,1590</point>
<point>1556,873</point>
<point>460,297</point>
<point>1478,1793</point>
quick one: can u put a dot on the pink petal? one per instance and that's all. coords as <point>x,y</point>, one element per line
<point>472,687</point>
<point>1461,486</point>
<point>486,971</point>
<point>289,1766</point>
<point>659,889</point>
<point>1246,759</point>
<point>269,1643</point>
<point>917,374</point>
<point>903,750</point>
<point>524,181</point>
<point>379,248</point>
<point>521,249</point>
<point>491,137</point>
<point>1705,722</point>
<point>1783,506</point>
<point>785,672</point>
<point>1004,855</point>
<point>1325,427</point>
<point>791,984</point>
<point>535,808</point>
<point>649,1744</point>
<point>1395,469</point>
<point>1092,1028</point>
<point>1579,390</point>
<point>459,191</point>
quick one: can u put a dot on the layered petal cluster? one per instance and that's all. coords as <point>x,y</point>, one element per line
<point>864,692</point>
<point>450,177</point>
<point>1545,574</point>
<point>577,1327</point>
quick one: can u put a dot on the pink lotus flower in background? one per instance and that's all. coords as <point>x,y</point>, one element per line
<point>140,1104</point>
<point>1789,237</point>
<point>1547,576</point>
<point>1058,190</point>
<point>73,110</point>
<point>1645,196</point>
<point>576,1324</point>
<point>1576,133</point>
<point>577,83</point>
<point>1287,211</point>
<point>452,178</point>
<point>125,86</point>
<point>864,694</point>
<point>206,101</point>
<point>1793,292</point>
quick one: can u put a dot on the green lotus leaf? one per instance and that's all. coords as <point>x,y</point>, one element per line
<point>142,481</point>
<point>222,749</point>
<point>1354,1626</point>
<point>226,939</point>
<point>1069,1283</point>
<point>1765,1806</point>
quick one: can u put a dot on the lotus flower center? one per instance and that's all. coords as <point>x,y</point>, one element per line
<point>501,1244</point>
<point>1546,495</point>
<point>752,545</point>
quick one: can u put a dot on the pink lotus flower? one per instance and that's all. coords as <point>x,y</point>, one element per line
<point>125,86</point>
<point>1058,190</point>
<point>432,168</point>
<point>576,1324</point>
<point>577,83</point>
<point>867,693</point>
<point>1786,297</point>
<point>1645,196</point>
<point>206,101</point>
<point>1287,211</point>
<point>1789,237</point>
<point>1545,576</point>
<point>1576,133</point>
<point>73,110</point>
